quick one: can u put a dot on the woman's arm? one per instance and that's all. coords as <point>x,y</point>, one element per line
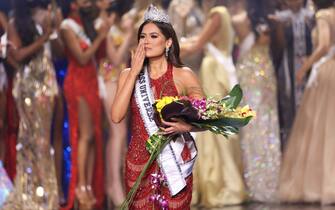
<point>20,53</point>
<point>117,54</point>
<point>126,85</point>
<point>322,48</point>
<point>241,25</point>
<point>57,46</point>
<point>212,25</point>
<point>186,82</point>
<point>72,43</point>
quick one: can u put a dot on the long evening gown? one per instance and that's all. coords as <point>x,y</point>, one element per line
<point>35,185</point>
<point>308,164</point>
<point>260,139</point>
<point>11,129</point>
<point>12,120</point>
<point>137,155</point>
<point>81,82</point>
<point>218,174</point>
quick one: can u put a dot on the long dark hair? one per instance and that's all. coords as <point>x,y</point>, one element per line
<point>23,21</point>
<point>257,13</point>
<point>168,32</point>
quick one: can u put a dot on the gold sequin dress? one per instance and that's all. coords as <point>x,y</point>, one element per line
<point>218,179</point>
<point>260,139</point>
<point>35,186</point>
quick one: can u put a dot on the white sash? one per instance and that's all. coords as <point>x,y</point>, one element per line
<point>69,23</point>
<point>170,159</point>
<point>3,44</point>
<point>226,61</point>
<point>3,77</point>
<point>316,67</point>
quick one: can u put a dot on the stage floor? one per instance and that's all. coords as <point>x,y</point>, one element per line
<point>255,206</point>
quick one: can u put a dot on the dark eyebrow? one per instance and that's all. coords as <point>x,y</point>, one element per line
<point>152,33</point>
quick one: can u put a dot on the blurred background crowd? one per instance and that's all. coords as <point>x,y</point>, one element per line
<point>63,58</point>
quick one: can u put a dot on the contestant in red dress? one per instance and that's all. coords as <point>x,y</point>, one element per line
<point>84,106</point>
<point>158,55</point>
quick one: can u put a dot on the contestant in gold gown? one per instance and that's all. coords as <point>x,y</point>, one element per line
<point>218,173</point>
<point>35,185</point>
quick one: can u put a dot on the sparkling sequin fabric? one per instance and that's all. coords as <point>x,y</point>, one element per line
<point>137,155</point>
<point>35,186</point>
<point>260,139</point>
<point>5,184</point>
<point>81,82</point>
<point>12,121</point>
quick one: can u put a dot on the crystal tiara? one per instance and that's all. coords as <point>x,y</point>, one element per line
<point>155,14</point>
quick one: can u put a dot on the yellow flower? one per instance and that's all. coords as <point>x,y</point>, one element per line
<point>247,112</point>
<point>160,103</point>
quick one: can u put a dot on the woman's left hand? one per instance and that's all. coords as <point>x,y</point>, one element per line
<point>177,127</point>
<point>300,76</point>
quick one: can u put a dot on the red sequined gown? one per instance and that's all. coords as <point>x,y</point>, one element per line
<point>11,132</point>
<point>137,155</point>
<point>81,81</point>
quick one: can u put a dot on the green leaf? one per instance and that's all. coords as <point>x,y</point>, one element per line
<point>226,121</point>
<point>234,98</point>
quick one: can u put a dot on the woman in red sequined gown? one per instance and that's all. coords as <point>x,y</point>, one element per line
<point>158,49</point>
<point>84,106</point>
<point>3,84</point>
<point>9,122</point>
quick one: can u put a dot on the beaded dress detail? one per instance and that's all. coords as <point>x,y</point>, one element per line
<point>260,141</point>
<point>81,82</point>
<point>137,154</point>
<point>35,185</point>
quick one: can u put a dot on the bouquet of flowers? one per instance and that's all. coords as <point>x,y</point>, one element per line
<point>220,116</point>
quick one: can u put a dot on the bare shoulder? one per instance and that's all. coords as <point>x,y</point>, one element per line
<point>187,82</point>
<point>184,72</point>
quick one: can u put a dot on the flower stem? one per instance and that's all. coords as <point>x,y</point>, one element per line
<point>131,194</point>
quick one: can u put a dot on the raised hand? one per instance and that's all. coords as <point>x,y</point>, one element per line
<point>104,28</point>
<point>127,24</point>
<point>47,23</point>
<point>137,59</point>
<point>299,77</point>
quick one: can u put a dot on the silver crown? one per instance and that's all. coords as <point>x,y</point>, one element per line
<point>155,14</point>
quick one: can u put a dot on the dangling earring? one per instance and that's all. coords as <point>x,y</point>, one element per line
<point>167,52</point>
